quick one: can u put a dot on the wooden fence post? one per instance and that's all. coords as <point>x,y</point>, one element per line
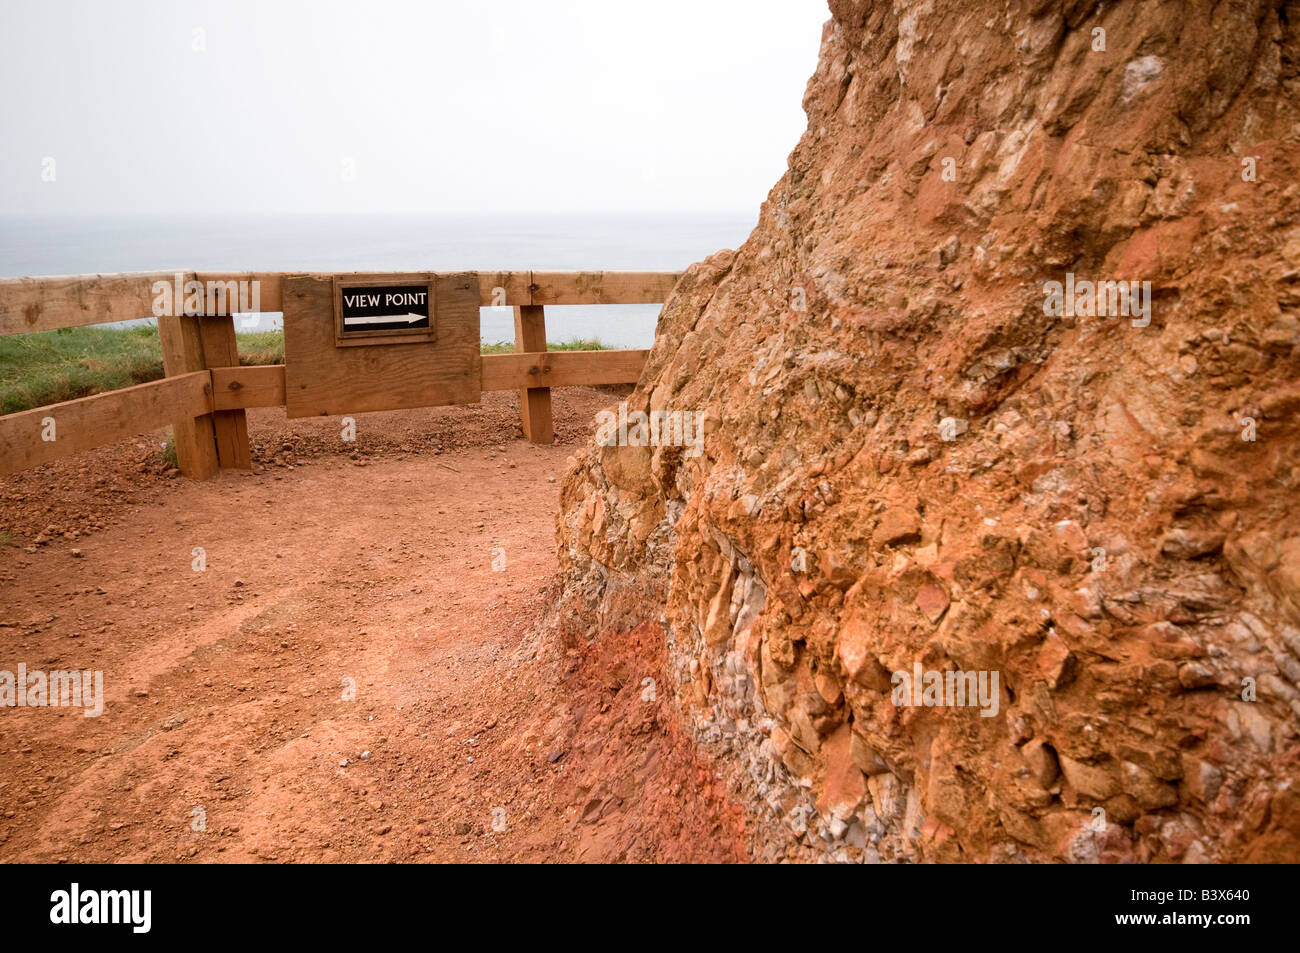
<point>230,427</point>
<point>534,402</point>
<point>193,437</point>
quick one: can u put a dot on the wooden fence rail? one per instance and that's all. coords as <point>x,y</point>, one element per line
<point>206,392</point>
<point>69,301</point>
<point>33,437</point>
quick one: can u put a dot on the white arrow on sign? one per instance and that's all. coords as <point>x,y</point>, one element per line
<point>384,319</point>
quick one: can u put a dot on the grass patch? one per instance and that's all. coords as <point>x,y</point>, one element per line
<point>260,347</point>
<point>52,366</point>
<point>572,344</point>
<point>168,453</point>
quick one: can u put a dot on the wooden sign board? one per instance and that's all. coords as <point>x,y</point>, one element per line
<point>432,361</point>
<point>391,310</point>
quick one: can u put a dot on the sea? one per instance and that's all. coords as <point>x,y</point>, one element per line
<point>66,245</point>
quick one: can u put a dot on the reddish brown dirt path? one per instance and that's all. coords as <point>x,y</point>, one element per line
<point>225,689</point>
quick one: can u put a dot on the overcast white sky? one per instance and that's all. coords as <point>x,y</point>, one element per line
<point>575,106</point>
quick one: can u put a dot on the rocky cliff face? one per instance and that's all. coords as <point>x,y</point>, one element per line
<point>933,445</point>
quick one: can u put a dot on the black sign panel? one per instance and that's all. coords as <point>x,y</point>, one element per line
<point>369,308</point>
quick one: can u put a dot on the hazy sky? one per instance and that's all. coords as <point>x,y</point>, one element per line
<point>581,106</point>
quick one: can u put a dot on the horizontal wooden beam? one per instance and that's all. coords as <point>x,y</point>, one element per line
<point>602,287</point>
<point>234,388</point>
<point>70,301</point>
<point>261,288</point>
<point>504,289</point>
<point>77,425</point>
<point>562,369</point>
<point>574,287</point>
<point>499,288</point>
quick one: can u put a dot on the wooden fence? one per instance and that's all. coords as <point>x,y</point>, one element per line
<point>206,392</point>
